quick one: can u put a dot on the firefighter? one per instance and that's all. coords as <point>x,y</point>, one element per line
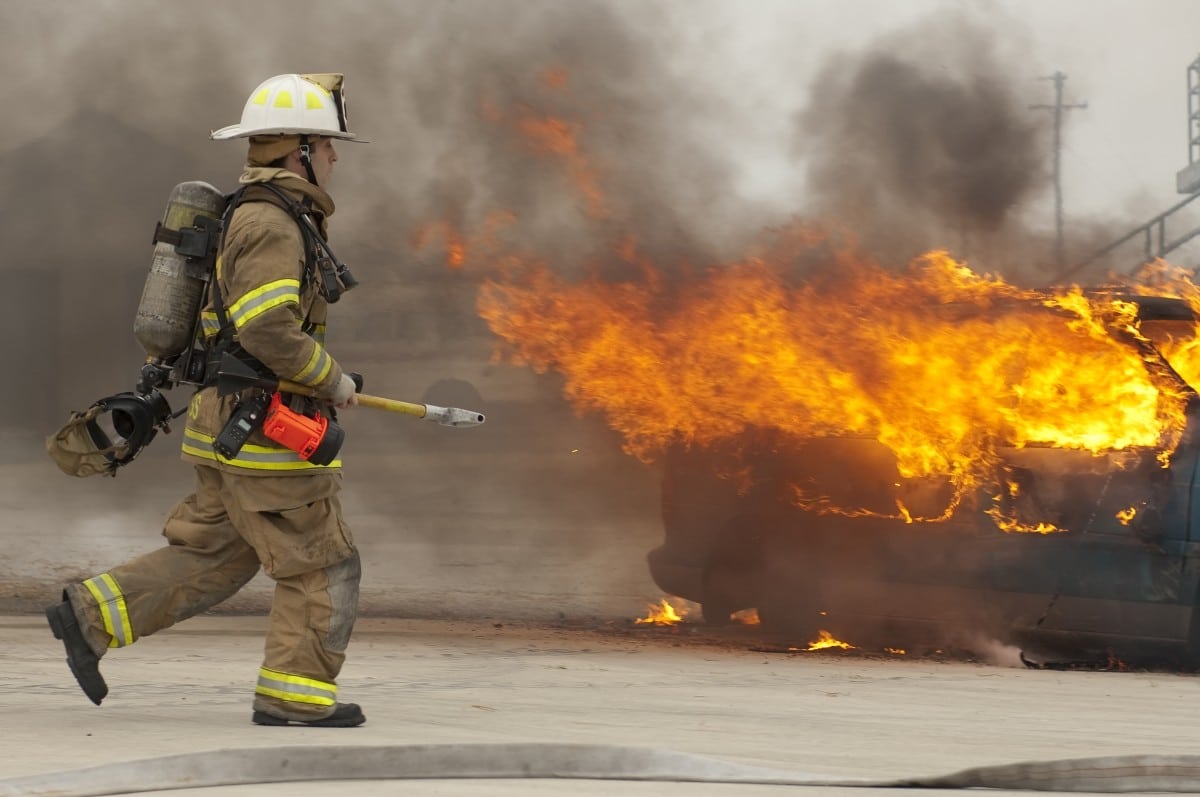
<point>266,506</point>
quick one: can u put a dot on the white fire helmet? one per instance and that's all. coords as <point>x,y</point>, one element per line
<point>294,104</point>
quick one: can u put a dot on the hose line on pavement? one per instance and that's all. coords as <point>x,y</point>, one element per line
<point>293,764</point>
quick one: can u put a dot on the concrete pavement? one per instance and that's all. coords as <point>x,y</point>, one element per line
<point>724,695</point>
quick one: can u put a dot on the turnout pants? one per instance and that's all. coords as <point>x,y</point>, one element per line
<point>217,538</point>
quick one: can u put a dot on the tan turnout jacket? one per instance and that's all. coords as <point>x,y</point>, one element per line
<point>278,317</point>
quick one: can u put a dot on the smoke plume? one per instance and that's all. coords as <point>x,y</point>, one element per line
<point>926,140</point>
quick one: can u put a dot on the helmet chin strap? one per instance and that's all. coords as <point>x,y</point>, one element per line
<point>306,159</point>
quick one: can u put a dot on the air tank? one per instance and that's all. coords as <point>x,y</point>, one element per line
<point>174,289</point>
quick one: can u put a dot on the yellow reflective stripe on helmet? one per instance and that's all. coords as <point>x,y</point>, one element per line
<point>254,457</point>
<point>261,97</point>
<point>316,369</point>
<point>295,688</point>
<point>260,300</point>
<point>111,602</point>
<point>283,99</point>
<point>312,100</point>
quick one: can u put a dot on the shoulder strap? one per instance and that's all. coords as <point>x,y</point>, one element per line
<point>265,192</point>
<point>333,276</point>
<point>224,324</point>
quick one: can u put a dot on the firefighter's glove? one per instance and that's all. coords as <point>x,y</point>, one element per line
<point>344,396</point>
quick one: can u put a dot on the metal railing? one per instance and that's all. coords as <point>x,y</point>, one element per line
<point>1154,244</point>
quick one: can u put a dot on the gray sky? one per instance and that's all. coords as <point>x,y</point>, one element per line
<point>1127,59</point>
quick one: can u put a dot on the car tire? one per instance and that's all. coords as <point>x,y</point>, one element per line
<point>716,614</point>
<point>732,575</point>
<point>790,611</point>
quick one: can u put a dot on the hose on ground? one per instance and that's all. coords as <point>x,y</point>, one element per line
<point>293,764</point>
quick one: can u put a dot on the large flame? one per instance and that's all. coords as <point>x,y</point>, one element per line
<point>939,364</point>
<point>942,364</point>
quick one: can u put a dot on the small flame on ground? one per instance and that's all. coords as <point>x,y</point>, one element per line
<point>1126,515</point>
<point>824,641</point>
<point>896,651</point>
<point>663,613</point>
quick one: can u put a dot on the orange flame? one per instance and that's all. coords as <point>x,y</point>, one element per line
<point>560,138</point>
<point>452,239</point>
<point>942,365</point>
<point>556,137</point>
<point>826,640</point>
<point>900,358</point>
<point>870,359</point>
<point>662,614</point>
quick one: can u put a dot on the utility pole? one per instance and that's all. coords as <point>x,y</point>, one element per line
<point>1058,107</point>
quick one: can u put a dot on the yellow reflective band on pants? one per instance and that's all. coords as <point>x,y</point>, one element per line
<point>111,602</point>
<point>295,688</point>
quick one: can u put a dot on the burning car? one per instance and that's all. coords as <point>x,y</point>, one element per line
<point>1072,549</point>
<point>898,456</point>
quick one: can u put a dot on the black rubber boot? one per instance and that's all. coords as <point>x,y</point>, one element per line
<point>345,715</point>
<point>85,665</point>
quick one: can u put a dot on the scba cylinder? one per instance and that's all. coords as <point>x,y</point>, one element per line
<point>174,288</point>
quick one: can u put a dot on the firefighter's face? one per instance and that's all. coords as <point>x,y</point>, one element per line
<point>323,156</point>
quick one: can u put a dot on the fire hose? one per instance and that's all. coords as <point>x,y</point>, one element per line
<point>533,761</point>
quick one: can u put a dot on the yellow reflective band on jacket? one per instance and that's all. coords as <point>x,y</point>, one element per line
<point>296,688</point>
<point>314,331</point>
<point>262,299</point>
<point>251,456</point>
<point>111,602</point>
<point>316,369</point>
<point>209,324</point>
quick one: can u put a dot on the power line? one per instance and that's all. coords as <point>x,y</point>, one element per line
<point>1058,107</point>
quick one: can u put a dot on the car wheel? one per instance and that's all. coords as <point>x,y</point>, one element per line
<point>716,613</point>
<point>792,610</point>
<point>733,573</point>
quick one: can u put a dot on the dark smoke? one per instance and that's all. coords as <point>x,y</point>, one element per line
<point>117,109</point>
<point>119,106</point>
<point>927,141</point>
